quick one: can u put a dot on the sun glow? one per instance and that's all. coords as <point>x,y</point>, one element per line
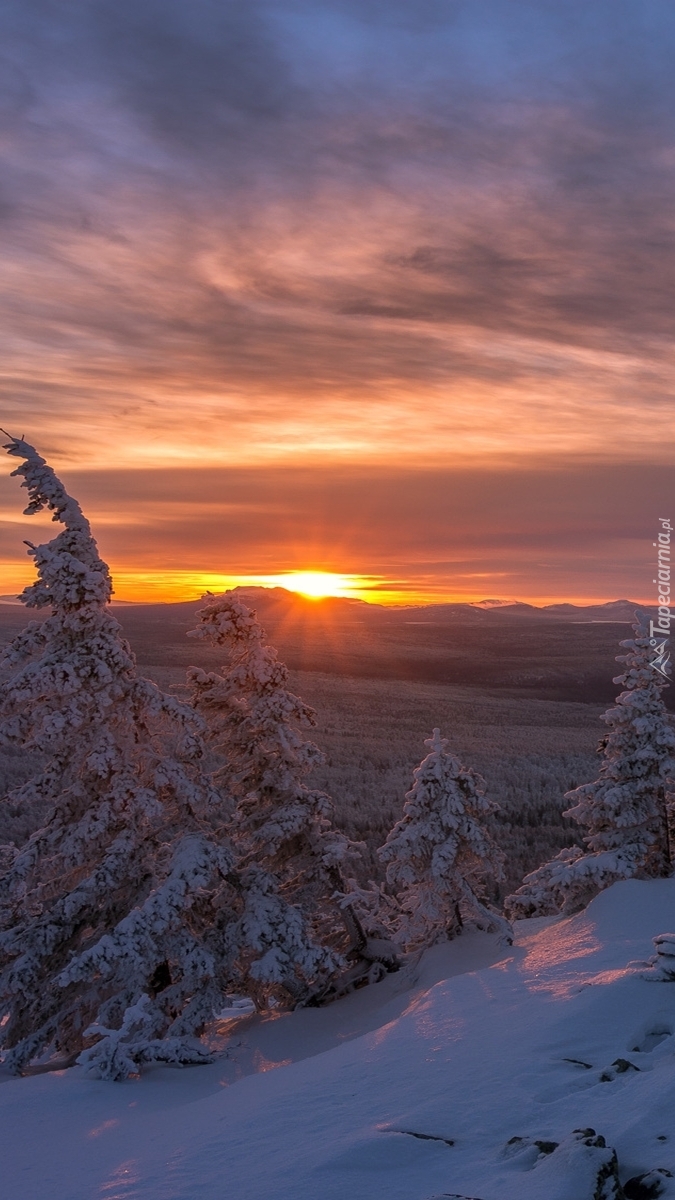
<point>317,585</point>
<point>161,586</point>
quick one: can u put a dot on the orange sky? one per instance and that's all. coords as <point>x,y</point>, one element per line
<point>378,290</point>
<point>575,531</point>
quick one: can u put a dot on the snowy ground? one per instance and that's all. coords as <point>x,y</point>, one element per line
<point>408,1090</point>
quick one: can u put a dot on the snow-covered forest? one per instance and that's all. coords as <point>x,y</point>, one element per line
<point>181,859</point>
<point>535,751</point>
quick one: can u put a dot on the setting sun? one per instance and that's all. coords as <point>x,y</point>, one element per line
<point>173,586</point>
<point>318,584</point>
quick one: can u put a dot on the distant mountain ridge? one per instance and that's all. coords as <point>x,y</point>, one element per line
<point>609,610</point>
<point>561,651</point>
<point>278,599</point>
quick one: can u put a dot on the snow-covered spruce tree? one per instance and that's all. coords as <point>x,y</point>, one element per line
<point>440,855</point>
<point>625,811</point>
<point>278,957</point>
<point>115,916</point>
<point>257,725</point>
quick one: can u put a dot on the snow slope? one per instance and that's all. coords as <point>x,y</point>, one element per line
<point>475,1059</point>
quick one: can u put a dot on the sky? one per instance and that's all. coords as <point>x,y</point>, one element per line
<point>382,288</point>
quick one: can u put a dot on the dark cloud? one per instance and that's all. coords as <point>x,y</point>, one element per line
<point>199,72</point>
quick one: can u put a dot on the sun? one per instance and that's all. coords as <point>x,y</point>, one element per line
<point>171,587</point>
<point>317,585</point>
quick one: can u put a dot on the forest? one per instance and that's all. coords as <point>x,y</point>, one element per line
<point>174,837</point>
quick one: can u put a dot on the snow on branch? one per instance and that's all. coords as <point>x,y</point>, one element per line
<point>71,573</point>
<point>114,915</point>
<point>626,811</point>
<point>441,853</point>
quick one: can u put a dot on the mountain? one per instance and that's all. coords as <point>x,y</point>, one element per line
<point>492,604</point>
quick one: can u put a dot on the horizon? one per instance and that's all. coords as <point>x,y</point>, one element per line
<point>485,604</point>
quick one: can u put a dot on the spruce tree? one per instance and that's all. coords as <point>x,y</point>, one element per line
<point>280,962</point>
<point>124,920</point>
<point>625,811</point>
<point>257,725</point>
<point>115,916</point>
<point>440,855</point>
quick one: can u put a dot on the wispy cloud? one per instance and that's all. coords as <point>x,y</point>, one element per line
<point>248,232</point>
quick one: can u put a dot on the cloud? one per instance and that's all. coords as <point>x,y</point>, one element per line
<point>261,232</point>
<point>551,532</point>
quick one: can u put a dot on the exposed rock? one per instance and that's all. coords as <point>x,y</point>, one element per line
<point>648,1186</point>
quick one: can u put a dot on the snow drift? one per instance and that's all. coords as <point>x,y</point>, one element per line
<point>542,1071</point>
